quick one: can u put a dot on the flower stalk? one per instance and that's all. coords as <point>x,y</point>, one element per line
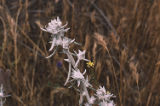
<point>100,97</point>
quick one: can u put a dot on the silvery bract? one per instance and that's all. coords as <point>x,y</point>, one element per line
<point>55,27</point>
<point>102,95</point>
<point>81,55</point>
<point>77,75</point>
<point>66,42</point>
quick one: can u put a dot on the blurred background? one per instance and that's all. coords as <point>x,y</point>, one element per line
<point>121,37</point>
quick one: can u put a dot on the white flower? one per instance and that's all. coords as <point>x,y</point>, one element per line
<point>101,91</point>
<point>66,41</point>
<point>60,41</point>
<point>78,76</point>
<point>102,95</point>
<point>55,42</point>
<point>81,55</point>
<point>55,26</point>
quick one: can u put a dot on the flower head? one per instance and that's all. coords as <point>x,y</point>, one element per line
<point>101,91</point>
<point>55,26</point>
<point>102,95</point>
<point>66,41</point>
<point>60,41</point>
<point>78,76</point>
<point>55,42</point>
<point>81,55</point>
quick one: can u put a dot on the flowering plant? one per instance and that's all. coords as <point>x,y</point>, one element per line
<point>57,31</point>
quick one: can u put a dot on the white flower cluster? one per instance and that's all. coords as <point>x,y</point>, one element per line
<point>2,96</point>
<point>57,30</point>
<point>104,97</point>
<point>55,27</point>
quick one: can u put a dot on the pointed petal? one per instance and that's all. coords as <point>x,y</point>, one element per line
<point>44,29</point>
<point>58,19</point>
<point>72,41</point>
<point>67,60</point>
<point>65,25</point>
<point>77,43</point>
<point>65,30</point>
<point>84,72</point>
<point>52,53</point>
<point>79,51</point>
<point>52,46</point>
<point>85,59</point>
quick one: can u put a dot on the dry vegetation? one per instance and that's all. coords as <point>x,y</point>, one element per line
<point>122,37</point>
